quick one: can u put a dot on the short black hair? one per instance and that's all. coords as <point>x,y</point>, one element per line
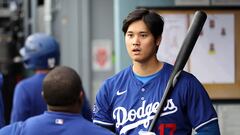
<point>62,86</point>
<point>153,21</point>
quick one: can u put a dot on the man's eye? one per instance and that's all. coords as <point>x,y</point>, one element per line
<point>143,35</point>
<point>130,35</point>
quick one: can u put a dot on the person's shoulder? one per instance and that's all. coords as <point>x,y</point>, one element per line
<point>25,81</point>
<point>35,120</point>
<point>12,129</point>
<point>28,81</point>
<point>91,128</point>
<point>167,68</point>
<point>120,75</point>
<point>184,77</point>
<point>36,123</point>
<point>185,74</point>
<point>102,131</point>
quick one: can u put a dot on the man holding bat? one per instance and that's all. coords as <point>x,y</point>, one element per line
<point>127,102</point>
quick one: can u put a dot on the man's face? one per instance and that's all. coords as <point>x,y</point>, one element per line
<point>140,42</point>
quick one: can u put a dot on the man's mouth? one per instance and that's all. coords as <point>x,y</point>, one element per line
<point>136,51</point>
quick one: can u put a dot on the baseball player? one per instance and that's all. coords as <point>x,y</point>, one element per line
<point>63,93</point>
<point>2,121</point>
<point>40,53</point>
<point>127,102</point>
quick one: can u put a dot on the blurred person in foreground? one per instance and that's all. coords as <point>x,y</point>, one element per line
<point>63,93</point>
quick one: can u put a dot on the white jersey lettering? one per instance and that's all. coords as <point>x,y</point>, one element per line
<point>122,116</point>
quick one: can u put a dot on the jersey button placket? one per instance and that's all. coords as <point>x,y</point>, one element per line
<point>143,90</point>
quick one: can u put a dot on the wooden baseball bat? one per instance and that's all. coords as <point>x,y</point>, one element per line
<point>181,60</point>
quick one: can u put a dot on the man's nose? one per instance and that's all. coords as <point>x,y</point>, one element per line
<point>136,41</point>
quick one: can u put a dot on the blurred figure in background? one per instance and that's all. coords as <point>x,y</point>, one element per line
<point>40,54</point>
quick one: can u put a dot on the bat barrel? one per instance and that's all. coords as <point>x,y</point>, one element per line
<point>190,40</point>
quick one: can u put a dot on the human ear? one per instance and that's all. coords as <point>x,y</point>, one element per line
<point>158,40</point>
<point>81,96</point>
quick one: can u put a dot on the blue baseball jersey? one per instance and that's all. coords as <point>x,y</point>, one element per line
<point>129,105</point>
<point>2,121</point>
<point>86,109</point>
<point>28,100</point>
<point>12,129</point>
<point>55,123</point>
